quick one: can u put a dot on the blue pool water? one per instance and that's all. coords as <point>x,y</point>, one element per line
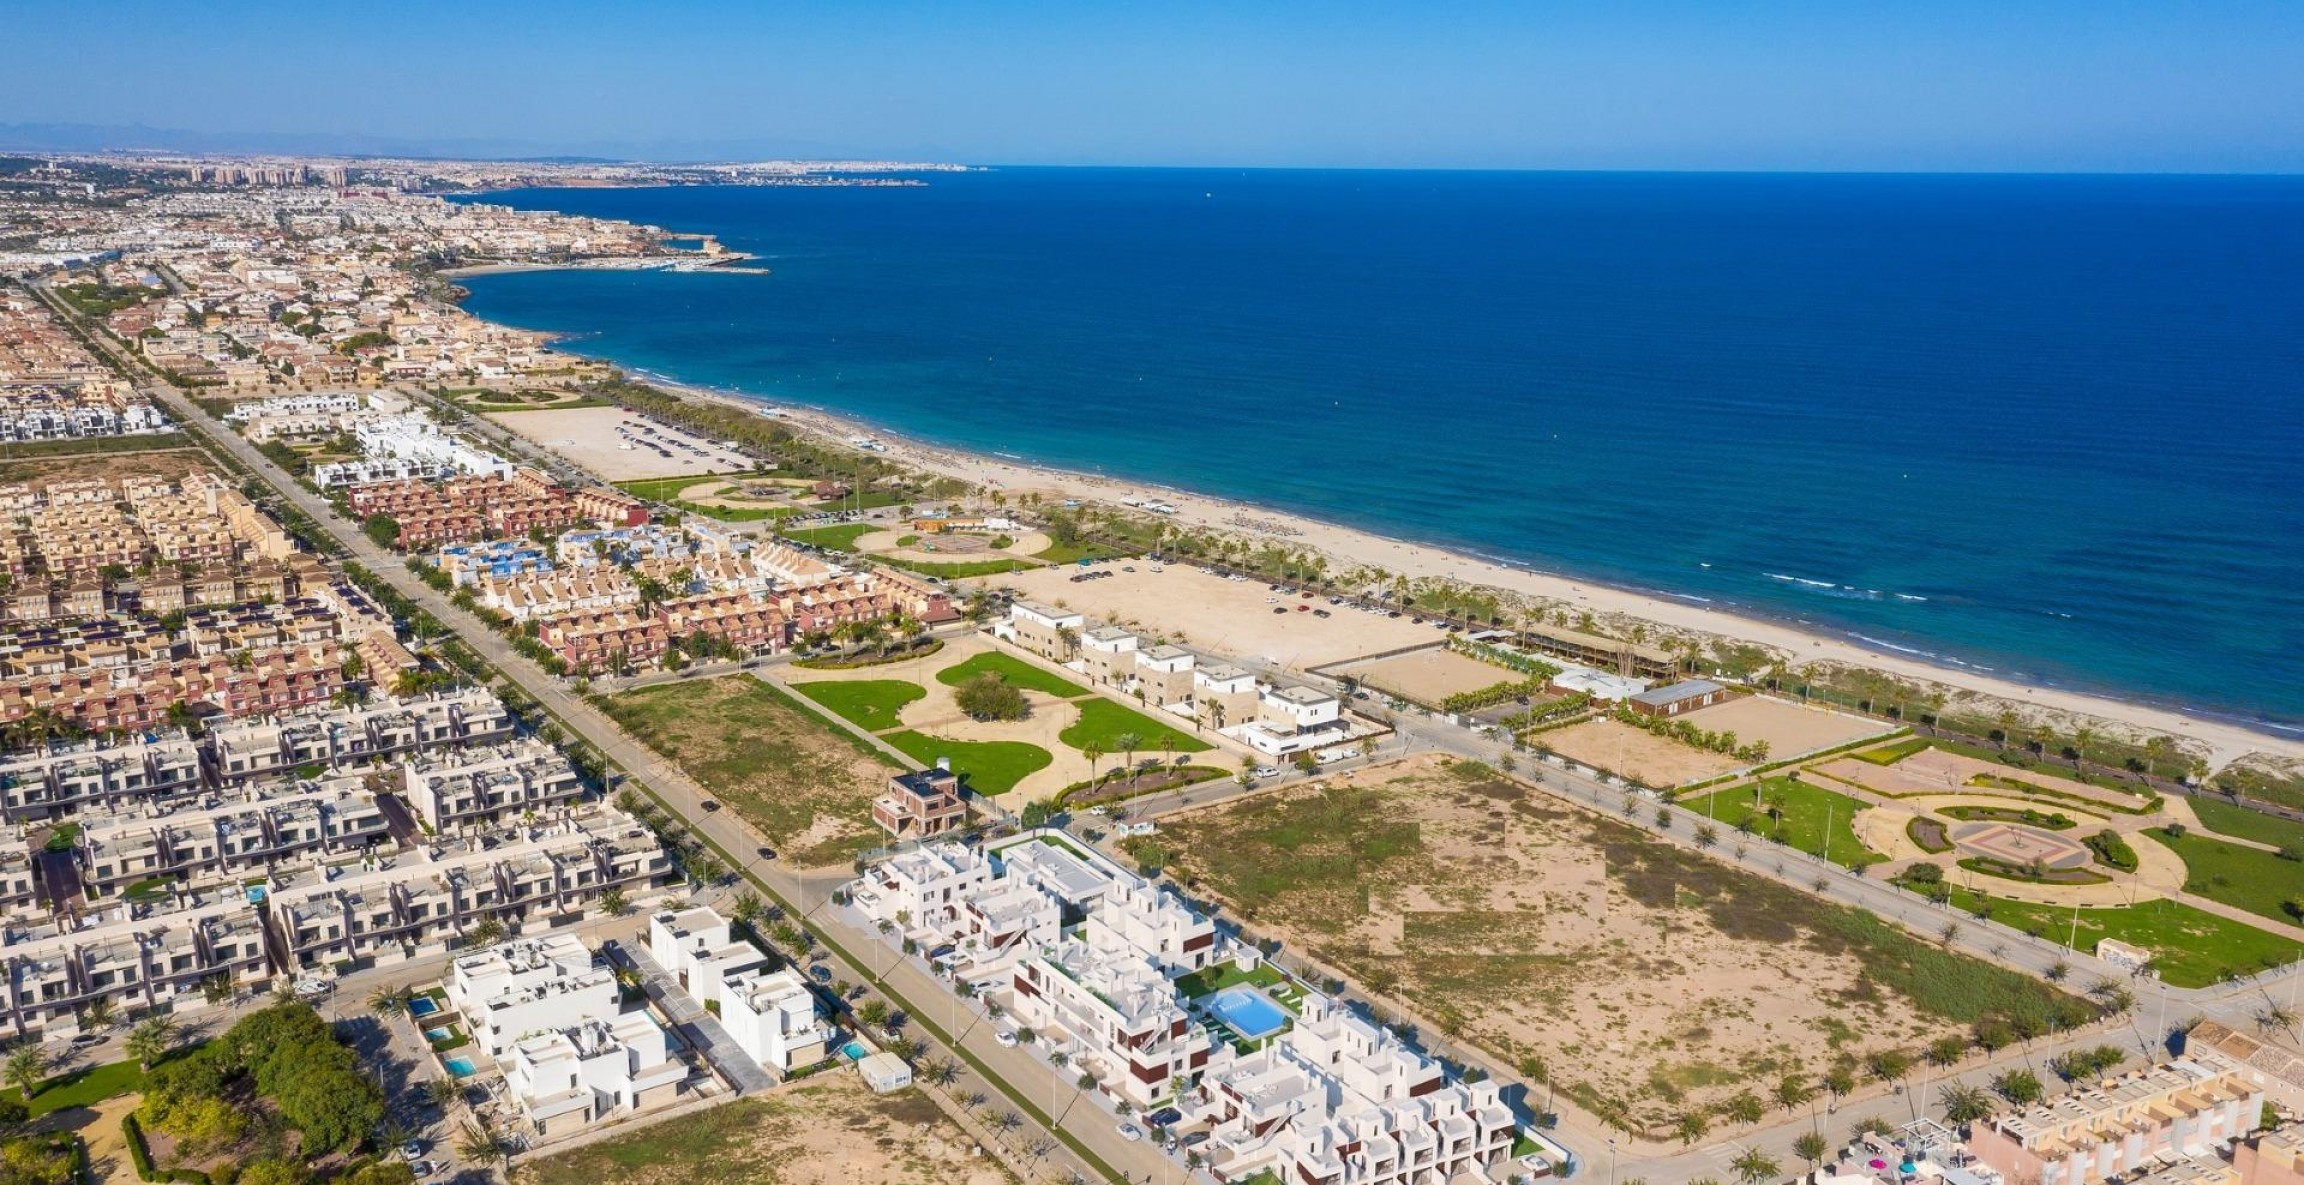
<point>462,1067</point>
<point>2043,425</point>
<point>854,1051</point>
<point>440,1034</point>
<point>423,1006</point>
<point>1248,1012</point>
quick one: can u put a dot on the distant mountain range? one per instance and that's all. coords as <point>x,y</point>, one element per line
<point>87,137</point>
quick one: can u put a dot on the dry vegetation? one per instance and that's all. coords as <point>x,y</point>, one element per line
<point>804,784</point>
<point>826,1130</point>
<point>1652,981</point>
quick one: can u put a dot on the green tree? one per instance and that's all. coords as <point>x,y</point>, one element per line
<point>1810,1146</point>
<point>2020,1087</point>
<point>25,1067</point>
<point>1753,1166</point>
<point>1793,1092</point>
<point>390,1000</point>
<point>150,1041</point>
<point>990,697</point>
<point>1963,1104</point>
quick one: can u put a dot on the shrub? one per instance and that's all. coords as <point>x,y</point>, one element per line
<point>990,697</point>
<point>2113,851</point>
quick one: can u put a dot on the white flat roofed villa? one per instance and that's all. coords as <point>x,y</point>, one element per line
<point>1162,1008</point>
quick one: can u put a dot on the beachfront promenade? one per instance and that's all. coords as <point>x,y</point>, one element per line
<point>1015,1075</point>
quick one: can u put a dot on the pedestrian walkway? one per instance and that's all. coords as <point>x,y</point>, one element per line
<point>701,1028</point>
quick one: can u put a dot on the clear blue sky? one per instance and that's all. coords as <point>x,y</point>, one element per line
<point>2117,85</point>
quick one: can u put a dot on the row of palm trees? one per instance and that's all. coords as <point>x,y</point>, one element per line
<point>149,1043</point>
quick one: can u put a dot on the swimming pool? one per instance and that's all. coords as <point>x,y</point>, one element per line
<point>442,1033</point>
<point>854,1051</point>
<point>1247,1012</point>
<point>461,1067</point>
<point>423,1006</point>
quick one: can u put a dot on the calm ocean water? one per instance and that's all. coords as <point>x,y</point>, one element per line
<point>2043,425</point>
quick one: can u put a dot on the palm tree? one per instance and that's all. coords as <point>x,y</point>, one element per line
<point>1167,748</point>
<point>98,1015</point>
<point>612,902</point>
<point>1809,1146</point>
<point>150,1040</point>
<point>390,1001</point>
<point>488,932</point>
<point>1964,1105</point>
<point>1754,1166</point>
<point>1128,743</point>
<point>442,1092</point>
<point>26,1063</point>
<point>479,1146</point>
<point>1094,753</point>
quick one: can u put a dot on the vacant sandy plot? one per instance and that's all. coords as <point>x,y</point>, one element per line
<point>1789,728</point>
<point>589,436</point>
<point>171,464</point>
<point>1186,605</point>
<point>1934,771</point>
<point>1428,676</point>
<point>1653,981</point>
<point>825,1130</point>
<point>1644,757</point>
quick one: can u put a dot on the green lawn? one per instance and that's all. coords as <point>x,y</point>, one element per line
<point>1102,721</point>
<point>2196,948</point>
<point>839,538</point>
<point>2250,878</point>
<point>872,704</point>
<point>960,570</point>
<point>1015,670</point>
<point>1224,975</point>
<point>989,767</point>
<point>2226,818</point>
<point>1806,807</point>
<point>83,1088</point>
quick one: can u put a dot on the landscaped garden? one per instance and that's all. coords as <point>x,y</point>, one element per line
<point>1013,670</point>
<point>804,782</point>
<point>2225,818</point>
<point>988,767</point>
<point>835,538</point>
<point>870,704</point>
<point>1794,813</point>
<point>2265,883</point>
<point>1104,724</point>
<point>2193,948</point>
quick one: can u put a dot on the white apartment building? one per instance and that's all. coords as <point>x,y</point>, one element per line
<point>1340,1100</point>
<point>262,748</point>
<point>700,951</point>
<point>530,985</point>
<point>593,1070</point>
<point>1108,655</point>
<point>228,837</point>
<point>1041,629</point>
<point>458,788</point>
<point>61,779</point>
<point>415,438</point>
<point>1293,720</point>
<point>48,973</point>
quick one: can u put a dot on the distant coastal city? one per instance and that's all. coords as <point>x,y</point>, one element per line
<point>433,753</point>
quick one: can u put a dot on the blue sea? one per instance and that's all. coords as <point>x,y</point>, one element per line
<point>2047,426</point>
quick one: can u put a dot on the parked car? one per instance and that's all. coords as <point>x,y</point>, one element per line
<point>1004,1038</point>
<point>412,1150</point>
<point>1164,1117</point>
<point>1130,1132</point>
<point>1267,771</point>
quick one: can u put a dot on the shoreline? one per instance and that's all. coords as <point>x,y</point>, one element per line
<point>2224,738</point>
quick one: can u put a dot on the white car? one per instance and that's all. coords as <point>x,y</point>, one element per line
<point>1130,1132</point>
<point>1267,771</point>
<point>1004,1039</point>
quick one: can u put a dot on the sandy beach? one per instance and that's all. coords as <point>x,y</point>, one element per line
<point>2221,740</point>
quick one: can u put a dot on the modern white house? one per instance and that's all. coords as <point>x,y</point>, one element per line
<point>771,1014</point>
<point>592,1070</point>
<point>1041,629</point>
<point>1292,720</point>
<point>530,985</point>
<point>774,1018</point>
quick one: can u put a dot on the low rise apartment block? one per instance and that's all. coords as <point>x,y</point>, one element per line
<point>2131,1124</point>
<point>168,961</point>
<point>772,1014</point>
<point>454,789</point>
<point>593,1070</point>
